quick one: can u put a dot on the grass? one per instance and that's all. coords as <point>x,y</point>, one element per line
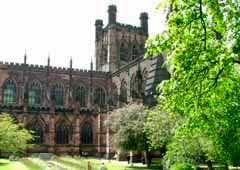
<point>69,163</point>
<point>95,163</point>
<point>11,165</point>
<point>34,164</point>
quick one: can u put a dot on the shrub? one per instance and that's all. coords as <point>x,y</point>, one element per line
<point>13,158</point>
<point>183,166</point>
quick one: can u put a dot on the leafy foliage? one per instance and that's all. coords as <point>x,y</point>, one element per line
<point>160,127</point>
<point>183,166</point>
<point>13,137</point>
<point>127,124</point>
<point>201,45</point>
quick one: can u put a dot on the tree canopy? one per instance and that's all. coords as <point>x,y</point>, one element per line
<point>127,123</point>
<point>159,128</point>
<point>202,49</point>
<point>13,137</point>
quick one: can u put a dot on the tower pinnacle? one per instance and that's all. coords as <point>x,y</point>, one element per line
<point>48,61</point>
<point>71,63</point>
<point>25,57</point>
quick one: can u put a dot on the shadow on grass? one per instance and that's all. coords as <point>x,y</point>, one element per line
<point>70,163</point>
<point>30,164</point>
<point>153,167</point>
<point>4,163</point>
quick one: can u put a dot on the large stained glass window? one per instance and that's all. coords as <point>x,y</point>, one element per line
<point>80,95</point>
<point>123,92</point>
<point>134,87</point>
<point>99,96</point>
<point>144,80</point>
<point>62,133</point>
<point>38,133</point>
<point>34,94</point>
<point>137,85</point>
<point>57,94</point>
<point>87,134</point>
<point>9,92</point>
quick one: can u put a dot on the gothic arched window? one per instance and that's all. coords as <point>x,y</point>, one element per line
<point>134,52</point>
<point>123,92</point>
<point>87,134</point>
<point>104,54</point>
<point>57,94</point>
<point>137,85</point>
<point>123,53</point>
<point>80,95</point>
<point>34,94</point>
<point>133,87</point>
<point>62,133</point>
<point>99,96</point>
<point>9,92</point>
<point>142,48</point>
<point>38,133</point>
<point>113,97</point>
<point>144,80</point>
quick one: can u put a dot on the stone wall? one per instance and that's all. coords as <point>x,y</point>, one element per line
<point>49,115</point>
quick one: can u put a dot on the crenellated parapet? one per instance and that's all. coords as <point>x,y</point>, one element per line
<point>124,27</point>
<point>44,68</point>
<point>112,21</point>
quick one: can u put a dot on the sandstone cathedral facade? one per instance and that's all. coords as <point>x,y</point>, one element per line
<point>67,107</point>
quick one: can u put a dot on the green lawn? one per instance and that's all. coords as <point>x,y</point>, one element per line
<point>7,165</point>
<point>68,163</point>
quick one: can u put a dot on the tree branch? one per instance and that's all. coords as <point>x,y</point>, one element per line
<point>203,25</point>
<point>236,61</point>
<point>217,77</point>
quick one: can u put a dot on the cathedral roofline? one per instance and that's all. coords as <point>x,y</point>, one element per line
<point>43,68</point>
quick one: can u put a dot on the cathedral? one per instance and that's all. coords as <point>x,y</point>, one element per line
<point>67,107</point>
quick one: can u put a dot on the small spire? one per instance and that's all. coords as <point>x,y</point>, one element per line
<point>48,61</point>
<point>71,62</point>
<point>91,65</point>
<point>25,57</point>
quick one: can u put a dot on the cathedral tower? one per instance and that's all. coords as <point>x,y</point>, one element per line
<point>119,44</point>
<point>144,22</point>
<point>112,14</point>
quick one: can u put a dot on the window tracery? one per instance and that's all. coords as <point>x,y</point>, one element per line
<point>9,92</point>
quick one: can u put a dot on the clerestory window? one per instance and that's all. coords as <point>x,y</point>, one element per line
<point>9,92</point>
<point>34,94</point>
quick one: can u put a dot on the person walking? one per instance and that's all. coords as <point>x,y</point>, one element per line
<point>89,167</point>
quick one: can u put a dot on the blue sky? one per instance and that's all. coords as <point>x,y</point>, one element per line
<point>63,28</point>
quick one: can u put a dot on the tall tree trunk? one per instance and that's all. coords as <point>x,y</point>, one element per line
<point>147,158</point>
<point>131,158</point>
<point>209,164</point>
<point>226,167</point>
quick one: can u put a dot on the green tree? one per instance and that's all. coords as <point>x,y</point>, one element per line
<point>13,137</point>
<point>202,48</point>
<point>127,124</point>
<point>160,128</point>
